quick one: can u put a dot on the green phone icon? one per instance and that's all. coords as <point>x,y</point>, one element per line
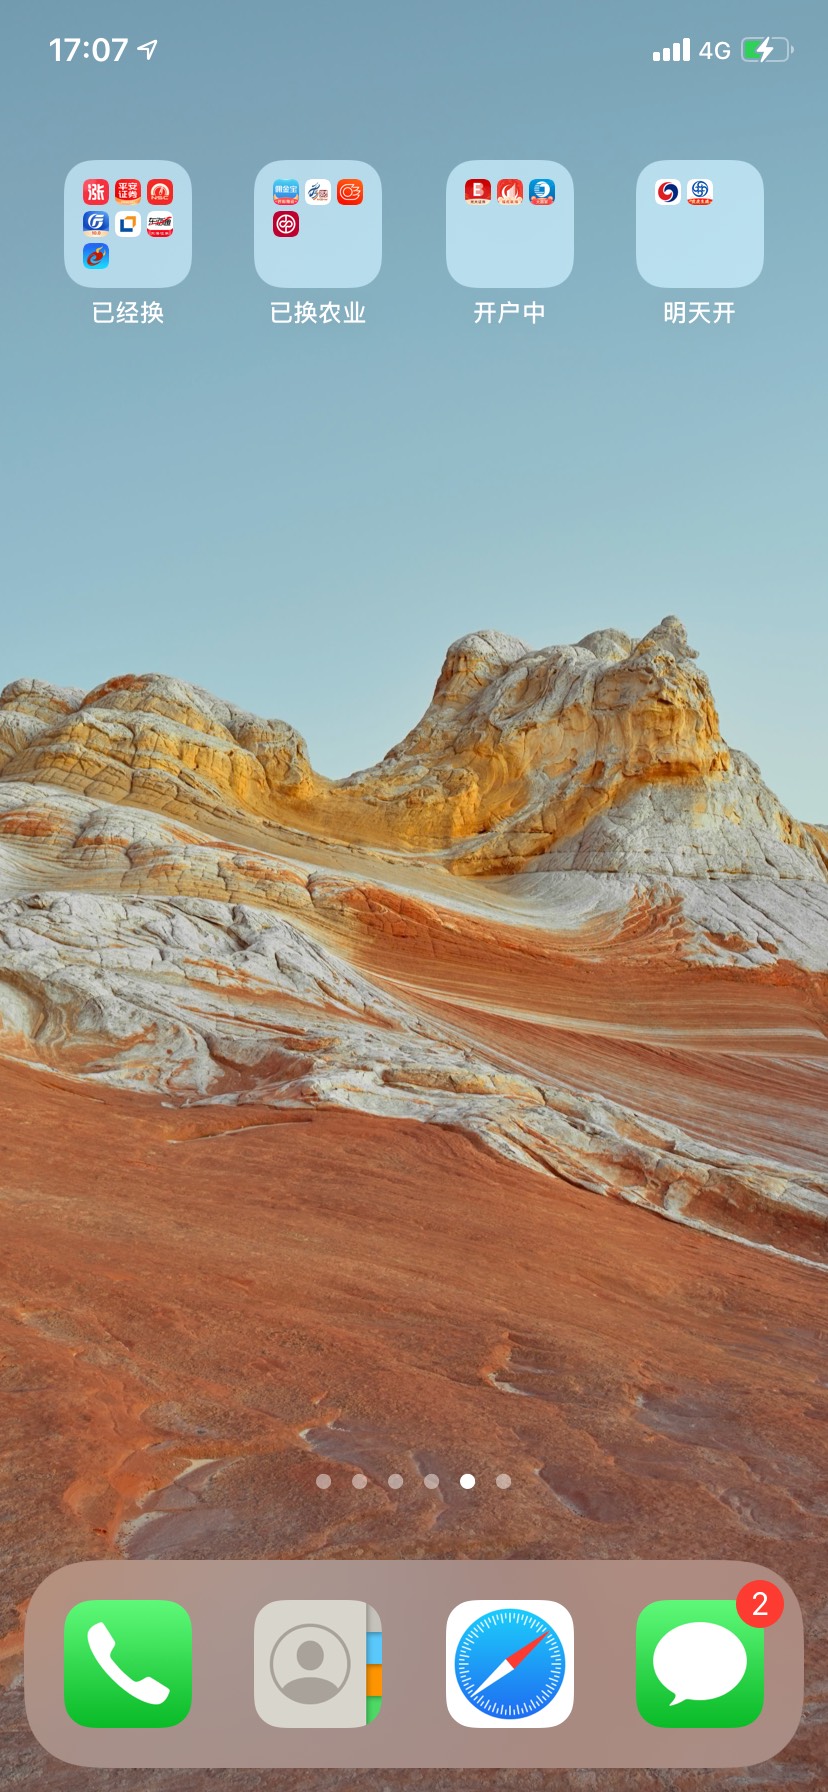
<point>698,1666</point>
<point>127,1664</point>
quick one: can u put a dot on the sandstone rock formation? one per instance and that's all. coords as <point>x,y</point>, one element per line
<point>637,889</point>
<point>520,753</point>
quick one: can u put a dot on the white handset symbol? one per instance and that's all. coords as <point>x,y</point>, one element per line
<point>149,1691</point>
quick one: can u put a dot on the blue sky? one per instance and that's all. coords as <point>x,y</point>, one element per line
<point>303,520</point>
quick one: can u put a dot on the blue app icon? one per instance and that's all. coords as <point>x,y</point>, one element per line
<point>542,192</point>
<point>285,192</point>
<point>95,256</point>
<point>95,222</point>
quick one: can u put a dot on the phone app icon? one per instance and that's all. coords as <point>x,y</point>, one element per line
<point>127,1664</point>
<point>160,190</point>
<point>95,192</point>
<point>350,192</point>
<point>317,1664</point>
<point>698,1666</point>
<point>127,192</point>
<point>510,1665</point>
<point>667,192</point>
<point>285,223</point>
<point>542,192</point>
<point>95,223</point>
<point>95,256</point>
<point>159,223</point>
<point>127,223</point>
<point>700,192</point>
<point>286,192</point>
<point>510,192</point>
<point>478,192</point>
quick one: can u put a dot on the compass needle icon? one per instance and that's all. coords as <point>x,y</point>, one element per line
<point>509,1665</point>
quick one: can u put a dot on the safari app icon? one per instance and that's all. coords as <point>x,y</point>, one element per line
<point>698,1665</point>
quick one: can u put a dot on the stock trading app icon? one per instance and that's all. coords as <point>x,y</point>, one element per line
<point>143,247</point>
<point>95,257</point>
<point>313,229</point>
<point>525,239</point>
<point>700,224</point>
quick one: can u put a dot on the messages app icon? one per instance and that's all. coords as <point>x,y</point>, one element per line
<point>127,1664</point>
<point>698,1666</point>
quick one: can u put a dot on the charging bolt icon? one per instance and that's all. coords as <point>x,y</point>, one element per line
<point>766,49</point>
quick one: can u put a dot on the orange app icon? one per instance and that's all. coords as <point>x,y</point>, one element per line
<point>350,192</point>
<point>510,192</point>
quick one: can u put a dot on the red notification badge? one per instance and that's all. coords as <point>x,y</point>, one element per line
<point>759,1603</point>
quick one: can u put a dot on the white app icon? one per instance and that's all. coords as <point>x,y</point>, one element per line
<point>310,1663</point>
<point>318,191</point>
<point>159,223</point>
<point>510,1664</point>
<point>668,191</point>
<point>128,224</point>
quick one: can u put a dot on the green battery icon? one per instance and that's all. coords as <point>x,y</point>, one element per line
<point>765,49</point>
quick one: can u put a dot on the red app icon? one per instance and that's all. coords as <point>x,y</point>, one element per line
<point>478,192</point>
<point>510,192</point>
<point>350,192</point>
<point>127,192</point>
<point>285,223</point>
<point>159,191</point>
<point>95,192</point>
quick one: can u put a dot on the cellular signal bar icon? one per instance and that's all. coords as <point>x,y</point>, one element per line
<point>679,53</point>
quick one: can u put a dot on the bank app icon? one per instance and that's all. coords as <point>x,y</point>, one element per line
<point>285,224</point>
<point>542,192</point>
<point>96,256</point>
<point>335,219</point>
<point>127,1664</point>
<point>698,1666</point>
<point>96,191</point>
<point>478,192</point>
<point>715,235</point>
<point>160,190</point>
<point>510,191</point>
<point>128,223</point>
<point>128,192</point>
<point>317,1664</point>
<point>95,223</point>
<point>510,1665</point>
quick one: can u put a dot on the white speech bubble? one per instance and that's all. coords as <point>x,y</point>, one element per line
<point>699,1661</point>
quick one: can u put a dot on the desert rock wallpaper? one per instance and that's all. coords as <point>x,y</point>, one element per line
<point>468,1112</point>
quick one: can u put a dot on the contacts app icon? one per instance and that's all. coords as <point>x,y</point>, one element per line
<point>317,1664</point>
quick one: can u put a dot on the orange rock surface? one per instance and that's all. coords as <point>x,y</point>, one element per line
<point>317,1154</point>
